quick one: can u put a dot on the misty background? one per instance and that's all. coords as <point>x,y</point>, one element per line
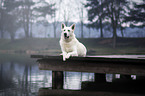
<point>113,19</point>
<point>33,27</point>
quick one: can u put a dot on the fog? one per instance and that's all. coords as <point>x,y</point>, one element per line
<point>25,19</point>
<point>113,32</point>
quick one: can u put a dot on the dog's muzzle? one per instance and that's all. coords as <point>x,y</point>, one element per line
<point>65,35</point>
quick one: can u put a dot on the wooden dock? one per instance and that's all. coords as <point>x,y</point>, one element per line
<point>60,92</point>
<point>95,64</point>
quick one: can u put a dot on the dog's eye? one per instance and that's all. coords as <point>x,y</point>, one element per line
<point>63,30</point>
<point>68,30</point>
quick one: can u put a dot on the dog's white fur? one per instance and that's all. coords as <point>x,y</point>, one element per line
<point>70,46</point>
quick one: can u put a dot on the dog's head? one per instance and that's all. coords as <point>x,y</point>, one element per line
<point>67,32</point>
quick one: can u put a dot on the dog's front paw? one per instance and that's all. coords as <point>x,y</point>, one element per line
<point>64,58</point>
<point>67,56</point>
<point>61,54</point>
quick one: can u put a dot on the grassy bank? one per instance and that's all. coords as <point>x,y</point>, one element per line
<point>96,46</point>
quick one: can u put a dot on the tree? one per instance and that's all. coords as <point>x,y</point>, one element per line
<point>2,15</point>
<point>9,16</point>
<point>116,10</point>
<point>81,17</point>
<point>45,10</point>
<point>110,10</point>
<point>96,13</point>
<point>54,18</point>
<point>54,23</point>
<point>26,15</point>
<point>12,25</point>
<point>66,11</point>
<point>14,13</point>
<point>137,15</point>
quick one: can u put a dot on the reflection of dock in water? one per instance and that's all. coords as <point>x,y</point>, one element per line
<point>125,86</point>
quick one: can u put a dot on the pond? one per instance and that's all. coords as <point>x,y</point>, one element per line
<point>20,76</point>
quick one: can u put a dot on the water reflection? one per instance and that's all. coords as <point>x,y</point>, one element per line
<point>20,77</point>
<point>73,80</point>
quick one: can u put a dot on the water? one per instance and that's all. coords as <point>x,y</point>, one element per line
<point>20,76</point>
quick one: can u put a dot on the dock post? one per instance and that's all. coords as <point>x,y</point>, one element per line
<point>100,77</point>
<point>57,79</point>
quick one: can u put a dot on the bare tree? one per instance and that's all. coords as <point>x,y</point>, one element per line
<point>54,17</point>
<point>66,16</point>
<point>67,11</point>
<point>81,17</point>
<point>2,13</point>
<point>54,24</point>
<point>26,16</point>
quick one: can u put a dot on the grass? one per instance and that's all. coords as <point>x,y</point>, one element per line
<point>95,46</point>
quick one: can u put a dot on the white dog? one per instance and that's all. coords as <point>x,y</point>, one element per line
<point>70,46</point>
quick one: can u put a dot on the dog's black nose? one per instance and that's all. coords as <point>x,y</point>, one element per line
<point>65,34</point>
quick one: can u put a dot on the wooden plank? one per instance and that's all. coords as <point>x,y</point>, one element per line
<point>122,56</point>
<point>60,92</point>
<point>92,64</point>
<point>94,58</point>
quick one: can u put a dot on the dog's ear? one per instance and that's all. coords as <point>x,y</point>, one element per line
<point>73,27</point>
<point>62,26</point>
